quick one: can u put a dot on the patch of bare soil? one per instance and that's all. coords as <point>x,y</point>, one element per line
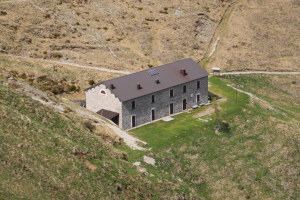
<point>91,166</point>
<point>209,110</point>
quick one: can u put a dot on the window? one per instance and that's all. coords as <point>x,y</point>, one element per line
<point>171,93</point>
<point>133,104</point>
<point>152,99</point>
<point>184,89</point>
<point>198,84</point>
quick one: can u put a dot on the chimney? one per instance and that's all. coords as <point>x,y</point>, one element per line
<point>183,71</point>
<point>112,86</point>
<point>138,85</point>
<point>157,80</point>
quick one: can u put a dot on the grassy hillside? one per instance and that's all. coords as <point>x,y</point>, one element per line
<point>257,158</point>
<point>114,34</point>
<point>46,155</point>
<point>259,35</point>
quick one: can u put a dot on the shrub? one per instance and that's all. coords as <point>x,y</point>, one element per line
<point>71,88</point>
<point>47,16</point>
<point>23,76</point>
<point>91,82</point>
<point>68,41</point>
<point>56,55</point>
<point>89,126</point>
<point>3,13</point>
<point>224,127</point>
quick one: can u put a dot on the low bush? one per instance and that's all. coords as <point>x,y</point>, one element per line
<point>89,126</point>
<point>224,127</point>
<point>91,82</point>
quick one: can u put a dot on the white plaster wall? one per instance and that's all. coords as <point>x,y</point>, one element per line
<point>96,101</point>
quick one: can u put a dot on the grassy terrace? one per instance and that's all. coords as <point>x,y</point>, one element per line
<point>257,158</point>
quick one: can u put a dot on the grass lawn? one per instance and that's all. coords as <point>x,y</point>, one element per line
<point>253,160</point>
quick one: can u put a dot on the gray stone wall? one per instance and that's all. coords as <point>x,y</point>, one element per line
<point>96,101</point>
<point>162,103</point>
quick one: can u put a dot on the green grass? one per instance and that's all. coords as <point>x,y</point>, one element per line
<point>241,160</point>
<point>37,159</point>
<point>258,158</point>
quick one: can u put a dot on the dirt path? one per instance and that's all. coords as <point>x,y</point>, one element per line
<point>212,46</point>
<point>75,65</point>
<point>260,72</point>
<point>267,104</point>
<point>60,106</point>
<point>15,1</point>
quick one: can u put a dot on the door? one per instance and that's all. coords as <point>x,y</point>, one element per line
<point>133,121</point>
<point>184,104</point>
<point>171,108</point>
<point>153,114</point>
<point>198,97</point>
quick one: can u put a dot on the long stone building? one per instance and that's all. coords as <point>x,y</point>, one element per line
<point>145,96</point>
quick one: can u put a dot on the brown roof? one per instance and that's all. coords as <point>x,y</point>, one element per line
<point>107,114</point>
<point>125,87</point>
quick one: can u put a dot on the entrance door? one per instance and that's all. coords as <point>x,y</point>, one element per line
<point>171,108</point>
<point>184,104</point>
<point>115,120</point>
<point>153,114</point>
<point>133,121</point>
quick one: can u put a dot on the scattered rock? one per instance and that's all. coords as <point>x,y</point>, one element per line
<point>142,170</point>
<point>137,164</point>
<point>149,160</point>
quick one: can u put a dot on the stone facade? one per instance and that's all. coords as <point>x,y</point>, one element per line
<point>144,105</point>
<point>95,101</point>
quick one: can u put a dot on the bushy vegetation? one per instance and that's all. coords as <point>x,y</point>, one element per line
<point>47,84</point>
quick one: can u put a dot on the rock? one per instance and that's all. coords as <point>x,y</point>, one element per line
<point>149,160</point>
<point>137,164</point>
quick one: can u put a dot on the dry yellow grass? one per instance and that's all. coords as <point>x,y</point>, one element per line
<point>114,34</point>
<point>259,35</point>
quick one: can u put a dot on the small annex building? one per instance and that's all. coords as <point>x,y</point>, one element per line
<point>148,95</point>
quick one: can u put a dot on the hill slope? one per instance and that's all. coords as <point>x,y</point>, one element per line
<point>46,155</point>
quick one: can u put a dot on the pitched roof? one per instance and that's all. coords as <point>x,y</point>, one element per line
<point>169,75</point>
<point>107,113</point>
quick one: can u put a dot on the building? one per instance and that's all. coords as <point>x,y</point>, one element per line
<point>216,71</point>
<point>144,96</point>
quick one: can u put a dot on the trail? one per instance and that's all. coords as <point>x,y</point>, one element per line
<point>75,65</point>
<point>267,104</point>
<point>260,72</point>
<point>15,1</point>
<point>214,37</point>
